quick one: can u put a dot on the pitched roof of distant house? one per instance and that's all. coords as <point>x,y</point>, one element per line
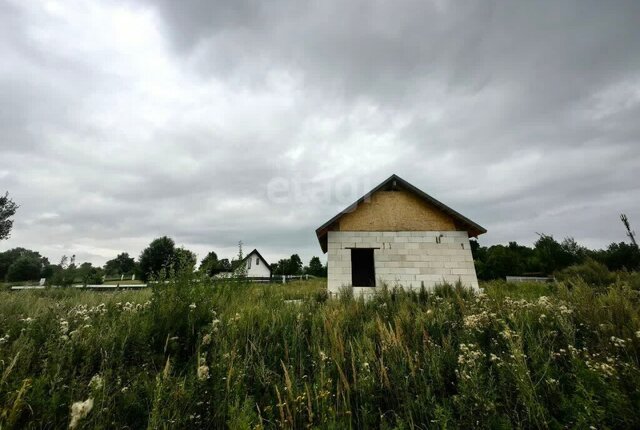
<point>392,183</point>
<point>255,251</point>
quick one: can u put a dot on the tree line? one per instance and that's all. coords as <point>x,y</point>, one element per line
<point>160,258</point>
<point>548,257</point>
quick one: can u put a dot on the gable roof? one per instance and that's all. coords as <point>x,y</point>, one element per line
<point>255,251</point>
<point>395,182</point>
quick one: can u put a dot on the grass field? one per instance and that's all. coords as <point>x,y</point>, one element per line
<point>283,356</point>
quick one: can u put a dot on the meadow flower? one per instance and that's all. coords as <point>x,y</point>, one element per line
<point>617,342</point>
<point>80,410</point>
<point>638,333</point>
<point>96,382</point>
<point>4,339</point>
<point>477,321</point>
<point>192,306</point>
<point>203,372</point>
<point>544,301</point>
<point>64,326</point>
<point>564,310</point>
<point>206,339</point>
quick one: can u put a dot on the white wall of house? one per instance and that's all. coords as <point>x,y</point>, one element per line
<point>256,267</point>
<point>406,258</point>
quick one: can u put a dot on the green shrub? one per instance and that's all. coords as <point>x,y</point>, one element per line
<point>592,272</point>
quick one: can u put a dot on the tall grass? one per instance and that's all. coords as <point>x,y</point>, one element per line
<point>283,356</point>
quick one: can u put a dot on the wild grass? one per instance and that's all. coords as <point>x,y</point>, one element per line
<point>283,356</point>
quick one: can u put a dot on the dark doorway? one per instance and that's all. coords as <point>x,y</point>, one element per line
<point>363,273</point>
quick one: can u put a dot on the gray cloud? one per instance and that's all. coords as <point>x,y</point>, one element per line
<point>121,121</point>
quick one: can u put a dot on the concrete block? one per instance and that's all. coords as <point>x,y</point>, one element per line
<point>462,272</point>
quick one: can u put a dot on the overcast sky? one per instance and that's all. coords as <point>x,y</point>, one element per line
<point>218,121</point>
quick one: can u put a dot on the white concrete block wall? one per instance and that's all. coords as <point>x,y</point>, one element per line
<point>405,258</point>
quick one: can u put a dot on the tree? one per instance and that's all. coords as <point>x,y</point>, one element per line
<point>123,264</point>
<point>622,255</point>
<point>64,274</point>
<point>315,267</point>
<point>25,268</point>
<point>7,258</point>
<point>210,264</point>
<point>295,265</point>
<point>157,257</point>
<point>7,209</point>
<point>225,265</point>
<point>89,274</point>
<point>184,261</point>
<point>281,267</point>
<point>630,233</point>
<point>551,255</point>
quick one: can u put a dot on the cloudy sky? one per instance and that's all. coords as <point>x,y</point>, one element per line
<point>253,120</point>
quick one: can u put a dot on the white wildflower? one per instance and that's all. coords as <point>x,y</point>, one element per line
<point>96,382</point>
<point>477,321</point>
<point>544,301</point>
<point>564,310</point>
<point>617,342</point>
<point>203,372</point>
<point>64,326</point>
<point>79,410</point>
<point>192,306</point>
<point>206,339</point>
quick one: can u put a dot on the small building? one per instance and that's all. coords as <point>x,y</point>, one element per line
<point>254,266</point>
<point>398,235</point>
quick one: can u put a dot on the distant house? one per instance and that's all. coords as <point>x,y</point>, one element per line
<point>254,266</point>
<point>398,235</point>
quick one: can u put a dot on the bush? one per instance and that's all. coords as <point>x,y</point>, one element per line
<point>592,272</point>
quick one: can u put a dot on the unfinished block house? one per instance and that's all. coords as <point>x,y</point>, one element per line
<point>398,235</point>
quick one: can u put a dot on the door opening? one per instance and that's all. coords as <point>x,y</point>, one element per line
<point>363,272</point>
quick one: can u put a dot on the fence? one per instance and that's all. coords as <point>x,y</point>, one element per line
<point>124,286</point>
<point>530,279</point>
